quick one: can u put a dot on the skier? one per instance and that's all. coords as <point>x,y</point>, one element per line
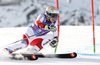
<point>42,28</point>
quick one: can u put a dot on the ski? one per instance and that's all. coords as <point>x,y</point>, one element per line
<point>65,55</point>
<point>36,56</point>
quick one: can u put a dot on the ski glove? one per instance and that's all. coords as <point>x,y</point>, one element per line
<point>54,42</point>
<point>52,28</point>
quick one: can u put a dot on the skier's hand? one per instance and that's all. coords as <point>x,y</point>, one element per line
<point>52,28</point>
<point>54,43</point>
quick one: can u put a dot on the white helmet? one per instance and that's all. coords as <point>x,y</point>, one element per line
<point>51,11</point>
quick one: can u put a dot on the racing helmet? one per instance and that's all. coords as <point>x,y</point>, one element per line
<point>52,11</point>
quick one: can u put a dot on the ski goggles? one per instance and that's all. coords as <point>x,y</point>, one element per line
<point>53,15</point>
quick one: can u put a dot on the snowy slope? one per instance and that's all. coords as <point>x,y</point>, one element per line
<point>72,38</point>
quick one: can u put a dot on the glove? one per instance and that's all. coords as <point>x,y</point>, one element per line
<point>54,42</point>
<point>52,28</point>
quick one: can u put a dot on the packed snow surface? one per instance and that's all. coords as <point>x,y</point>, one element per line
<point>77,39</point>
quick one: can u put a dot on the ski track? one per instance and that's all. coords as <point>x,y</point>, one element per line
<point>53,61</point>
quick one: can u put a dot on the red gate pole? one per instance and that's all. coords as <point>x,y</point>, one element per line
<point>93,26</point>
<point>58,24</point>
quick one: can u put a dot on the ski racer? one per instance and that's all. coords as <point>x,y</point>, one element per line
<point>41,28</point>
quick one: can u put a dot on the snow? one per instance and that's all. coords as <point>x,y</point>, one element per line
<point>70,13</point>
<point>72,39</point>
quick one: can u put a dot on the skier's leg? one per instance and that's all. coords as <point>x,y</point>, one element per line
<point>39,43</point>
<point>18,46</point>
<point>23,43</point>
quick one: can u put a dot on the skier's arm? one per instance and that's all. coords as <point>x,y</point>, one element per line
<point>40,24</point>
<point>55,34</point>
<point>55,40</point>
<point>39,21</point>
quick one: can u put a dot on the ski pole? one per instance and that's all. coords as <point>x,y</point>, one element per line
<point>29,37</point>
<point>26,38</point>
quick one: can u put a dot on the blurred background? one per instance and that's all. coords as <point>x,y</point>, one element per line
<point>22,13</point>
